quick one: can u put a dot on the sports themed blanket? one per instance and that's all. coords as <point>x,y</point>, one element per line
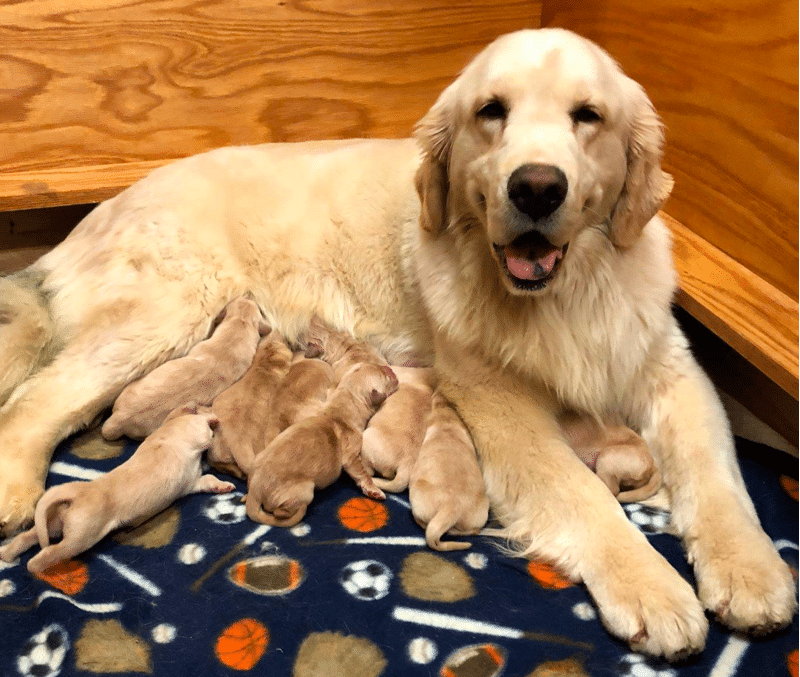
<point>350,592</point>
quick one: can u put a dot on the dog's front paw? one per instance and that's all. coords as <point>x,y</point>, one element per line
<point>18,497</point>
<point>745,583</point>
<point>645,602</point>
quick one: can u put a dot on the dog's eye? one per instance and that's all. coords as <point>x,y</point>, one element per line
<point>585,114</point>
<point>492,110</point>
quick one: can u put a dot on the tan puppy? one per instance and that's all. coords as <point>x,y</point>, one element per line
<point>617,455</point>
<point>395,433</point>
<point>311,453</point>
<point>210,367</point>
<point>339,348</point>
<point>302,393</point>
<point>244,408</point>
<point>165,467</point>
<point>447,491</point>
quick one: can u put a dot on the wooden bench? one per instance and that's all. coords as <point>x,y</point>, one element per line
<point>94,95</point>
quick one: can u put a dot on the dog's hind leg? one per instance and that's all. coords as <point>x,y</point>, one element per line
<point>82,380</point>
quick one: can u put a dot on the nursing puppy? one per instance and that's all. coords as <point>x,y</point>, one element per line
<point>165,467</point>
<point>617,455</point>
<point>302,393</point>
<point>395,433</point>
<point>339,348</point>
<point>244,408</point>
<point>210,367</point>
<point>311,453</point>
<point>447,491</point>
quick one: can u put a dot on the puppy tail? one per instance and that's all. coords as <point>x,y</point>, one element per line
<point>63,493</point>
<point>441,523</point>
<point>641,493</point>
<point>112,429</point>
<point>398,483</point>
<point>26,330</point>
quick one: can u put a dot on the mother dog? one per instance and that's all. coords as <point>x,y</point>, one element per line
<point>518,249</point>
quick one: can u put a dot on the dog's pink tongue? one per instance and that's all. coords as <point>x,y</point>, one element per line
<point>523,269</point>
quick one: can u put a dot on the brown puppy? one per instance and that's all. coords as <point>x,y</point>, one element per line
<point>302,393</point>
<point>311,453</point>
<point>165,467</point>
<point>244,408</point>
<point>617,455</point>
<point>447,491</point>
<point>395,433</point>
<point>210,367</point>
<point>339,349</point>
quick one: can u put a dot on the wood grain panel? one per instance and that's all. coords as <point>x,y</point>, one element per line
<point>100,83</point>
<point>753,317</point>
<point>724,76</point>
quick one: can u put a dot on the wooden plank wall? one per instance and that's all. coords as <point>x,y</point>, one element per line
<point>95,93</point>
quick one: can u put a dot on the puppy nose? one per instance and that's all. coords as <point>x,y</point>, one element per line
<point>537,190</point>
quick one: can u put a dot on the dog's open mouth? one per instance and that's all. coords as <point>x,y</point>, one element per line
<point>530,261</point>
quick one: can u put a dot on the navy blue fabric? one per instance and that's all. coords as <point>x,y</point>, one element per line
<point>179,597</point>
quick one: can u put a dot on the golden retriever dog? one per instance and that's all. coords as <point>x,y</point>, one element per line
<point>165,467</point>
<point>210,367</point>
<point>513,244</point>
<point>617,455</point>
<point>394,435</point>
<point>244,408</point>
<point>312,453</point>
<point>444,500</point>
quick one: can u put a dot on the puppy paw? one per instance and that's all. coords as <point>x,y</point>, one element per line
<point>745,584</point>
<point>645,602</point>
<point>18,498</point>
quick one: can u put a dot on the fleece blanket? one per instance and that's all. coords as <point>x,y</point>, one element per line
<point>351,591</point>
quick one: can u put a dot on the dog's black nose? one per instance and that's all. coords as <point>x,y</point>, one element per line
<point>537,190</point>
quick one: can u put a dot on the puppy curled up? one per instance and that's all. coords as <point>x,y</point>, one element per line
<point>165,467</point>
<point>209,368</point>
<point>395,433</point>
<point>617,455</point>
<point>244,408</point>
<point>447,492</point>
<point>311,453</point>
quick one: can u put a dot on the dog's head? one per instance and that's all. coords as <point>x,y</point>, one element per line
<point>541,136</point>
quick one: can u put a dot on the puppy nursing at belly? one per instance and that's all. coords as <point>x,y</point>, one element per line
<point>447,492</point>
<point>165,467</point>
<point>210,367</point>
<point>312,453</point>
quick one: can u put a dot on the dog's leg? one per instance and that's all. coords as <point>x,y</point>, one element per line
<point>557,509</point>
<point>19,544</point>
<point>740,576</point>
<point>76,386</point>
<point>212,485</point>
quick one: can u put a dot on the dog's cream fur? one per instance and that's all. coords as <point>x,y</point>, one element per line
<point>446,488</point>
<point>210,367</point>
<point>338,229</point>
<point>165,467</point>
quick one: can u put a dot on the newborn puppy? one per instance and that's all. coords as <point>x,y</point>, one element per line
<point>311,453</point>
<point>447,491</point>
<point>210,367</point>
<point>339,349</point>
<point>244,409</point>
<point>395,433</point>
<point>617,455</point>
<point>302,393</point>
<point>165,467</point>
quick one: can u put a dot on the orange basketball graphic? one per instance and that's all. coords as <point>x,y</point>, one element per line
<point>791,663</point>
<point>363,514</point>
<point>70,577</point>
<point>241,645</point>
<point>789,485</point>
<point>546,576</point>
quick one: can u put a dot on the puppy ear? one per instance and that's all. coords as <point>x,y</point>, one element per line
<point>646,187</point>
<point>434,133</point>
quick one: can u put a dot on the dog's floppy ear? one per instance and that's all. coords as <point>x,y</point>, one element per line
<point>646,187</point>
<point>434,133</point>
